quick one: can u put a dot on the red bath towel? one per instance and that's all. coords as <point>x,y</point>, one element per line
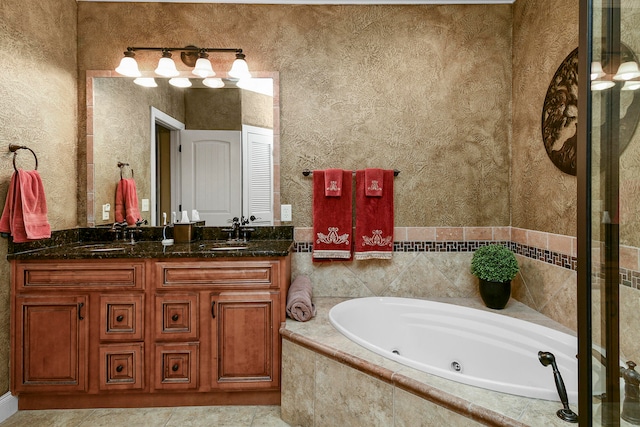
<point>127,201</point>
<point>332,225</point>
<point>25,210</point>
<point>374,218</point>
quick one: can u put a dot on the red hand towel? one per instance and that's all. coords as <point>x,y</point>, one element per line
<point>332,225</point>
<point>373,182</point>
<point>127,201</point>
<point>120,192</point>
<point>374,219</point>
<point>131,202</point>
<point>25,210</point>
<point>333,182</point>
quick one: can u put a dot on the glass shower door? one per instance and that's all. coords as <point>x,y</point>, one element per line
<point>609,213</point>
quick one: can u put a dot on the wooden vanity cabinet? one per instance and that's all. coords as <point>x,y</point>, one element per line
<point>147,332</point>
<point>239,310</point>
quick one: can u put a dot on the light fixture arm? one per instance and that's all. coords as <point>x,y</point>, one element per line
<point>187,49</point>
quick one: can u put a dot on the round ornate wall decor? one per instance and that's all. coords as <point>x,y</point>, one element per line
<point>560,113</point>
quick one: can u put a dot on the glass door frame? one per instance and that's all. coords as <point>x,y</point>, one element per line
<point>608,238</point>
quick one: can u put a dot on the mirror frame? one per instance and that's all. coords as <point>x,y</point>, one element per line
<point>90,190</point>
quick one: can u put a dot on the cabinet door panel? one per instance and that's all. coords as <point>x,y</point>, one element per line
<point>246,343</point>
<point>51,336</point>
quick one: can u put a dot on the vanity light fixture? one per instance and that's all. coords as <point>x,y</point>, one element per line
<point>146,82</point>
<point>627,71</point>
<point>596,71</point>
<point>239,69</point>
<point>167,67</point>
<point>180,82</point>
<point>203,66</point>
<point>631,85</point>
<point>213,83</point>
<point>128,65</point>
<point>602,85</point>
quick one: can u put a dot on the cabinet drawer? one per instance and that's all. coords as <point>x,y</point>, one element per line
<point>217,273</point>
<point>121,367</point>
<point>121,317</point>
<point>177,366</point>
<point>177,316</point>
<point>105,274</point>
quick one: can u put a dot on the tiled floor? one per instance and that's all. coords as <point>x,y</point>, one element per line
<point>218,416</point>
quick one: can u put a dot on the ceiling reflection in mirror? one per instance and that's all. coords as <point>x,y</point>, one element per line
<point>228,168</point>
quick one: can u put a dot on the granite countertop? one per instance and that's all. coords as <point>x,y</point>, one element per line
<point>95,243</point>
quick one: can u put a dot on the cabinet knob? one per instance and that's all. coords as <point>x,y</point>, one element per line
<point>120,318</point>
<point>175,367</point>
<point>175,317</point>
<point>119,368</point>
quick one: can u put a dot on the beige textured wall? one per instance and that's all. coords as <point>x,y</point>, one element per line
<point>424,89</point>
<point>630,158</point>
<point>213,109</point>
<point>257,109</point>
<point>542,197</point>
<point>37,110</point>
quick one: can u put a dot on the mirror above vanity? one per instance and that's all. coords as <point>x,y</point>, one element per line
<point>215,150</point>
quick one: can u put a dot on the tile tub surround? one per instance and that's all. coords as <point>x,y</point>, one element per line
<point>433,262</point>
<point>321,367</point>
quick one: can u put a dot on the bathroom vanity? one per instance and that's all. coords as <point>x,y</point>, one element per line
<point>113,325</point>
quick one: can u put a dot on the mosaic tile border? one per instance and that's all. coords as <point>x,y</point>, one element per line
<point>550,257</point>
<point>629,278</point>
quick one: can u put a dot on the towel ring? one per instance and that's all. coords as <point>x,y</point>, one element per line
<point>14,149</point>
<point>122,166</point>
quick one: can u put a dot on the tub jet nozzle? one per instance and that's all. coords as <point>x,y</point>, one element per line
<point>565,414</point>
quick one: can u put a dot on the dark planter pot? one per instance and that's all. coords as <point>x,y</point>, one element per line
<point>495,294</point>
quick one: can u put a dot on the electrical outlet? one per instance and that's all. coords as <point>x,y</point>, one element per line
<point>145,205</point>
<point>105,211</point>
<point>285,212</point>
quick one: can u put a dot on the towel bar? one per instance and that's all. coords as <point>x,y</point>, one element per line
<point>14,149</point>
<point>307,172</point>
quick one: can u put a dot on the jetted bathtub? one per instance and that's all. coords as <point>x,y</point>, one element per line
<point>462,344</point>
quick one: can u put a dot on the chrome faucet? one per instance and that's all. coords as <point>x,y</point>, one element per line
<point>119,227</point>
<point>234,231</point>
<point>238,231</point>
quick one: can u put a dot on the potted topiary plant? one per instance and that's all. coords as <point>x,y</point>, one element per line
<point>495,266</point>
